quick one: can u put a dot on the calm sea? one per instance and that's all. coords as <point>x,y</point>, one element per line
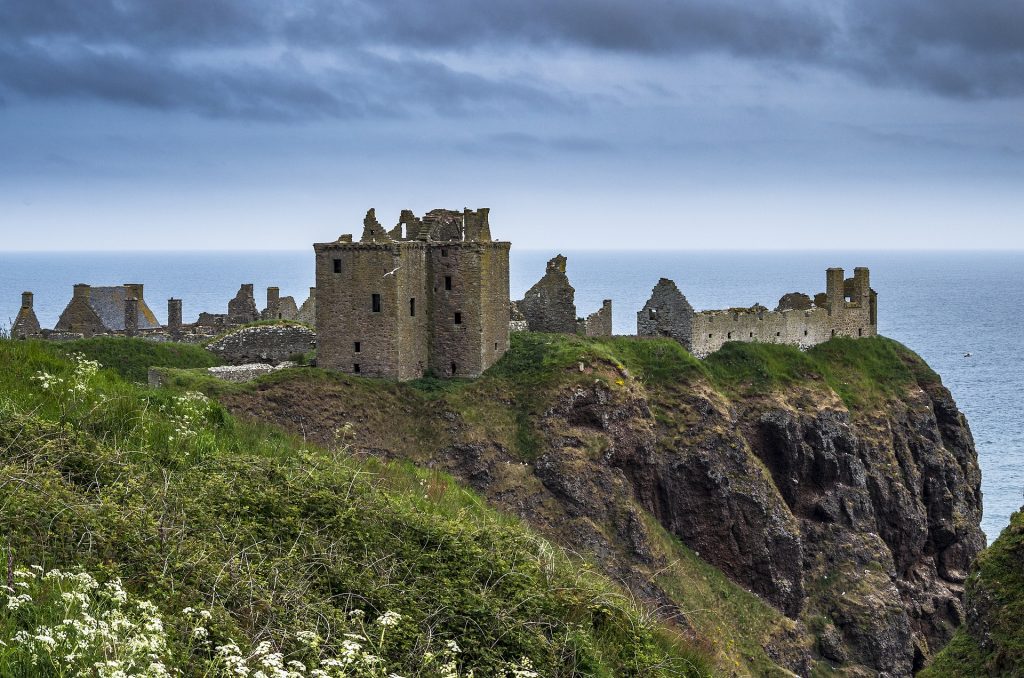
<point>942,305</point>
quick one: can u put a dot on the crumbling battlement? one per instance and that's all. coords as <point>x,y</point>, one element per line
<point>431,295</point>
<point>848,308</point>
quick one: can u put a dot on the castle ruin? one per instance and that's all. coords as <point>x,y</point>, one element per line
<point>429,295</point>
<point>847,308</point>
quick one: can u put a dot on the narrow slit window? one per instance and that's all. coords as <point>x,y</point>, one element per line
<point>833,333</point>
<point>376,303</point>
<point>447,282</point>
<point>728,335</point>
<point>778,334</point>
<point>358,347</point>
<point>337,265</point>
<point>751,335</point>
<point>454,369</point>
<point>805,333</point>
<point>860,331</point>
<point>495,346</point>
<point>458,318</point>
<point>412,306</point>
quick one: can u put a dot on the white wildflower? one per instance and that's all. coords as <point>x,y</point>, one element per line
<point>389,618</point>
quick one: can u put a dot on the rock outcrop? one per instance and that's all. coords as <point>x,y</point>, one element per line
<point>855,518</point>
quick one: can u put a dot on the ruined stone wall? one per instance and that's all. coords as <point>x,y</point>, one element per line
<point>847,309</point>
<point>307,313</point>
<point>805,328</point>
<point>549,306</point>
<point>598,323</point>
<point>666,314</point>
<point>272,344</point>
<point>242,309</point>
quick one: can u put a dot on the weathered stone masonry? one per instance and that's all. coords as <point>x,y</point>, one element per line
<point>848,308</point>
<point>431,295</point>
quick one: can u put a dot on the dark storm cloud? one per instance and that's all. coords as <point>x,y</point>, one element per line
<point>323,58</point>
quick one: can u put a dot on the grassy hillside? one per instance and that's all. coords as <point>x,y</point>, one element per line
<point>992,642</point>
<point>239,535</point>
<point>132,358</point>
<point>502,410</point>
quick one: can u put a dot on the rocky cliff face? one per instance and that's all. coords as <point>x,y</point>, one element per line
<point>857,519</point>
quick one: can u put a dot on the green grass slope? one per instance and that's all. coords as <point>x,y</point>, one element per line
<point>992,642</point>
<point>132,358</point>
<point>279,541</point>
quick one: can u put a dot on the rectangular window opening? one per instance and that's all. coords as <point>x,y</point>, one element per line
<point>444,251</point>
<point>805,333</point>
<point>458,318</point>
<point>412,306</point>
<point>860,331</point>
<point>337,265</point>
<point>376,303</point>
<point>751,335</point>
<point>454,369</point>
<point>355,367</point>
<point>495,346</point>
<point>447,282</point>
<point>358,347</point>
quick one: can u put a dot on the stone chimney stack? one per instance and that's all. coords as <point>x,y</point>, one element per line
<point>134,290</point>
<point>174,318</point>
<point>131,317</point>
<point>273,303</point>
<point>26,300</point>
<point>81,291</point>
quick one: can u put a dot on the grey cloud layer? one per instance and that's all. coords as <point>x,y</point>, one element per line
<point>324,58</point>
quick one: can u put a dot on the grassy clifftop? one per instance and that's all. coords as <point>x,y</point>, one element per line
<point>359,568</point>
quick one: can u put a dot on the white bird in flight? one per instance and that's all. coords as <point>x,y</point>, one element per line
<point>392,272</point>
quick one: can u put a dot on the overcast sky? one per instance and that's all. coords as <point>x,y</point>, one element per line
<point>259,124</point>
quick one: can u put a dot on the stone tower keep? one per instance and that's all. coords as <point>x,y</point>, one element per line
<point>430,294</point>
